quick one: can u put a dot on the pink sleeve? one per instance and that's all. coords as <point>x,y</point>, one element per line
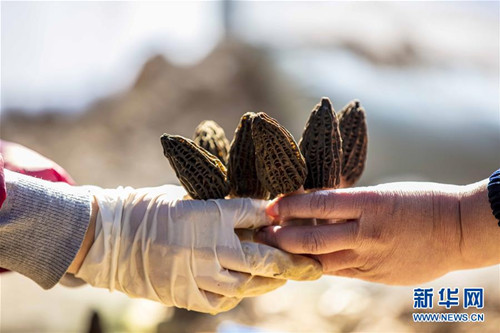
<point>28,162</point>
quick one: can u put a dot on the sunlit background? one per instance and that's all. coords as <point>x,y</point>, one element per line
<point>93,85</point>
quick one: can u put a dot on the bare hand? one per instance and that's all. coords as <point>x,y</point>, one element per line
<point>399,233</point>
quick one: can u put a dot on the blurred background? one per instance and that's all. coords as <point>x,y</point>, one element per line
<point>94,85</point>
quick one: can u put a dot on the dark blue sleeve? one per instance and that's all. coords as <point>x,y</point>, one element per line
<point>3,193</point>
<point>494,194</point>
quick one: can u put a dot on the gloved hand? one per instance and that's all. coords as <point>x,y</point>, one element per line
<point>150,243</point>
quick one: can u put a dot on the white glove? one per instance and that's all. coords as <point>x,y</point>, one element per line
<point>150,243</point>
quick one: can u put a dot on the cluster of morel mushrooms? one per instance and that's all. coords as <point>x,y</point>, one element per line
<point>263,161</point>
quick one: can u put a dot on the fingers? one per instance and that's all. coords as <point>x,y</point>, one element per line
<point>244,212</point>
<point>237,284</point>
<point>265,261</point>
<point>352,273</point>
<point>232,213</point>
<point>339,261</point>
<point>326,204</point>
<point>319,239</point>
<point>214,303</point>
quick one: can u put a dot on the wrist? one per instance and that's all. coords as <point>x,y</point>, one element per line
<point>87,241</point>
<point>480,241</point>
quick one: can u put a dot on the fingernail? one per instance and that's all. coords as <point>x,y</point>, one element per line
<point>265,235</point>
<point>257,234</point>
<point>272,210</point>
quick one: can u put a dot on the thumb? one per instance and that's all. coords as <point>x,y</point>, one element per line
<point>325,204</point>
<point>245,212</point>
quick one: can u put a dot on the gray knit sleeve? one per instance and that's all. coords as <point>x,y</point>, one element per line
<point>42,226</point>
